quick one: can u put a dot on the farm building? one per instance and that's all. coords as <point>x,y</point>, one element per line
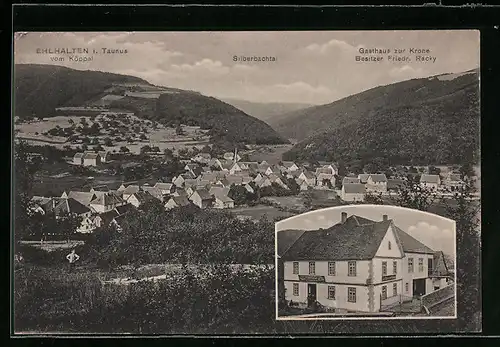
<point>353,192</point>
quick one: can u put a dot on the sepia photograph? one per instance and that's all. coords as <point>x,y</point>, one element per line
<point>246,182</point>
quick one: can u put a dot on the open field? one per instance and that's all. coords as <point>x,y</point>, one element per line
<point>126,125</point>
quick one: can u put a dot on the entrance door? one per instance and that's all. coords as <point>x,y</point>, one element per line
<point>311,294</point>
<point>419,287</point>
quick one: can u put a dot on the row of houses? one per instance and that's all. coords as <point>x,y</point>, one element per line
<point>355,188</point>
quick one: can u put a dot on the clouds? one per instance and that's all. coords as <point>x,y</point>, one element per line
<point>429,234</point>
<point>310,67</point>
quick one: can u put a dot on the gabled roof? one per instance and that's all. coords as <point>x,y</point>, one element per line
<point>190,182</point>
<point>378,178</point>
<point>348,241</point>
<point>107,199</point>
<point>288,163</point>
<point>425,178</point>
<point>224,198</point>
<point>154,191</point>
<point>439,264</point>
<point>347,180</point>
<point>324,176</point>
<point>131,189</point>
<point>82,197</point>
<point>308,174</point>
<point>410,244</point>
<point>354,188</point>
<point>90,155</point>
<point>124,208</point>
<point>141,196</point>
<point>163,186</point>
<point>70,205</point>
<point>219,191</point>
<point>180,200</point>
<point>286,238</point>
<point>394,183</point>
<point>203,194</point>
<point>324,170</point>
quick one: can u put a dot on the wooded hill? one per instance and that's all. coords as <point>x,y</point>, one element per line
<point>421,121</point>
<point>40,89</point>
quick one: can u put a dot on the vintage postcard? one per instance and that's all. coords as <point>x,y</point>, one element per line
<point>290,182</point>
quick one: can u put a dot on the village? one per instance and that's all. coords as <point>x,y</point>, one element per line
<point>227,182</point>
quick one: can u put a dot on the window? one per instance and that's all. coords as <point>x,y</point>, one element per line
<point>394,289</point>
<point>394,267</point>
<point>296,289</point>
<point>389,246</point>
<point>331,292</point>
<point>410,264</point>
<point>312,268</point>
<point>384,292</point>
<point>407,287</point>
<point>331,268</point>
<point>420,264</point>
<point>295,267</point>
<point>384,268</point>
<point>351,294</point>
<point>352,268</point>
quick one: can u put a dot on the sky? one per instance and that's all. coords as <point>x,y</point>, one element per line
<point>435,231</point>
<point>315,67</point>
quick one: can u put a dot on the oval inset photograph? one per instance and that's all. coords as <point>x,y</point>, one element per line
<point>365,262</point>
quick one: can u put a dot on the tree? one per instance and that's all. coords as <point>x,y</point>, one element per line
<point>466,170</point>
<point>25,169</point>
<point>374,198</point>
<point>168,154</point>
<point>155,149</point>
<point>124,149</point>
<point>145,149</point>
<point>98,148</point>
<point>108,142</point>
<point>465,211</point>
<point>143,137</point>
<point>413,195</point>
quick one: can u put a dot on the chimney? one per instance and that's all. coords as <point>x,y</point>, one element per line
<point>384,217</point>
<point>343,217</point>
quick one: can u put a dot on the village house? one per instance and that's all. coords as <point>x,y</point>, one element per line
<point>178,181</point>
<point>453,181</point>
<point>201,198</point>
<point>87,225</point>
<point>122,209</point>
<point>82,197</point>
<point>308,177</point>
<point>43,205</point>
<point>194,169</point>
<point>430,181</point>
<point>165,188</point>
<point>263,167</point>
<point>106,202</point>
<point>249,188</point>
<point>258,178</point>
<point>343,268</point>
<point>353,192</point>
<point>176,201</point>
<point>78,158</point>
<point>264,182</point>
<point>215,162</point>
<point>103,220</point>
<point>100,189</point>
<point>226,165</point>
<point>376,183</point>
<point>278,180</point>
<point>139,198</point>
<point>350,180</point>
<point>154,192</point>
<point>131,189</point>
<point>70,206</point>
<point>289,166</point>
<point>223,201</point>
<point>232,156</point>
<point>91,159</point>
<point>325,179</point>
<point>303,184</point>
<point>274,169</point>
